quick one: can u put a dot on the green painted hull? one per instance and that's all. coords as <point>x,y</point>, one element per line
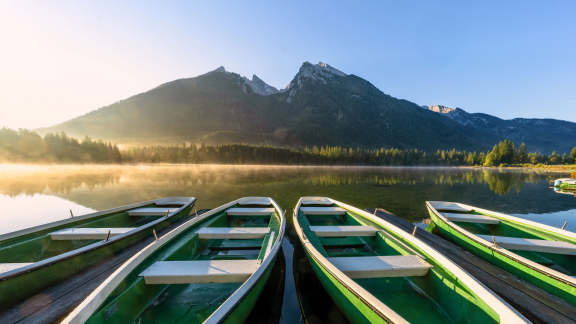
<point>534,275</point>
<point>127,298</point>
<point>444,294</point>
<point>566,186</point>
<point>355,309</point>
<point>64,261</point>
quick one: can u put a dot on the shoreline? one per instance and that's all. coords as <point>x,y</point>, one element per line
<point>565,169</point>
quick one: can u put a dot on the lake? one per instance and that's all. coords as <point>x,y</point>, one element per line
<point>32,195</point>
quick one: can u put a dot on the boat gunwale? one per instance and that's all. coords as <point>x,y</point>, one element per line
<point>505,252</point>
<point>92,302</point>
<point>505,312</point>
<point>90,247</point>
<point>228,306</point>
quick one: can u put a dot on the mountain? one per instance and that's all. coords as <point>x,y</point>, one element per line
<point>543,135</point>
<point>321,106</point>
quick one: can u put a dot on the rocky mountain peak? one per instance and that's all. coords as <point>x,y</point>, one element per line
<point>259,86</point>
<point>441,109</point>
<point>321,72</point>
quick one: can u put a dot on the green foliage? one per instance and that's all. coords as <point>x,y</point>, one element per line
<point>572,156</point>
<point>27,146</point>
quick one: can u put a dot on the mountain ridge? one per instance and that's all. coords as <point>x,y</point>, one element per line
<point>320,106</point>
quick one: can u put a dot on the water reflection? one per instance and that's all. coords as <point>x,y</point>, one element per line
<point>31,195</point>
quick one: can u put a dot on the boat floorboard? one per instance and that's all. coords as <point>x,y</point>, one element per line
<point>54,303</point>
<point>536,304</point>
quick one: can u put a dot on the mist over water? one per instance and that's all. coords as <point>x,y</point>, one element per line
<point>37,194</point>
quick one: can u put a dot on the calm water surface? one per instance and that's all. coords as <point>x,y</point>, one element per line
<point>32,195</point>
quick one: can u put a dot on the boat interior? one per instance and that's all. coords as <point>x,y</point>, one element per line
<point>389,269</point>
<point>52,241</point>
<point>191,275</point>
<point>539,246</point>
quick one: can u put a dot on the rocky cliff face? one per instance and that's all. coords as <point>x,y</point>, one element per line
<point>544,135</point>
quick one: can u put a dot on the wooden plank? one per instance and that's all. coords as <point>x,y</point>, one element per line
<point>151,211</point>
<point>536,304</point>
<point>534,245</point>
<point>323,210</point>
<point>322,201</point>
<point>450,206</point>
<point>169,203</point>
<point>5,267</point>
<point>471,218</point>
<point>250,211</point>
<point>199,271</point>
<point>88,233</point>
<point>255,201</point>
<point>382,266</point>
<point>340,231</point>
<point>233,232</point>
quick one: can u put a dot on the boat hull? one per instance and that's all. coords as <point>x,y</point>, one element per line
<point>346,260</point>
<point>245,306</point>
<point>212,297</point>
<point>16,286</point>
<point>533,274</point>
<point>353,307</point>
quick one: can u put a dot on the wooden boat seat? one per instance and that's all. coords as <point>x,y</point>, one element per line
<point>151,211</point>
<point>5,267</point>
<point>245,244</point>
<point>88,233</point>
<point>337,231</point>
<point>381,266</point>
<point>199,271</point>
<point>250,211</point>
<point>323,210</point>
<point>449,206</point>
<point>168,203</point>
<point>317,201</point>
<point>471,218</point>
<point>533,245</point>
<point>255,201</point>
<point>233,232</point>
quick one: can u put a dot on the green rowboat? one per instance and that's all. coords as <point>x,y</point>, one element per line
<point>540,254</point>
<point>35,258</point>
<point>210,269</point>
<point>377,273</point>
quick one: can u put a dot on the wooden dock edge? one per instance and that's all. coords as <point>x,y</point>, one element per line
<point>536,304</point>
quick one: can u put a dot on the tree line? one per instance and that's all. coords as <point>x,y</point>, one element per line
<point>27,146</point>
<point>503,153</point>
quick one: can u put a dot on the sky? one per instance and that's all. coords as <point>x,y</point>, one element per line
<point>61,59</point>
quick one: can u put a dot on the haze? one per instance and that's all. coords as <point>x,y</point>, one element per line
<point>61,59</point>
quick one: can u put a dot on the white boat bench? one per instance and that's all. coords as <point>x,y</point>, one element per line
<point>323,210</point>
<point>88,233</point>
<point>381,266</point>
<point>151,211</point>
<point>471,218</point>
<point>339,231</point>
<point>250,211</point>
<point>199,271</point>
<point>5,267</point>
<point>533,245</point>
<point>233,232</point>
